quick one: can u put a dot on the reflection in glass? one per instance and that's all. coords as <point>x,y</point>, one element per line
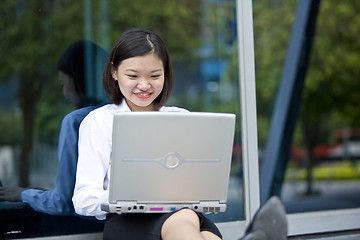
<point>323,168</point>
<point>201,36</point>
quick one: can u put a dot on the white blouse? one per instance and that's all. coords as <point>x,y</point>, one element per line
<point>93,167</point>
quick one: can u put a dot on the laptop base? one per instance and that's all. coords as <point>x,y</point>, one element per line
<point>134,207</point>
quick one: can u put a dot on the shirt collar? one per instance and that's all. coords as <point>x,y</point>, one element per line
<point>123,107</point>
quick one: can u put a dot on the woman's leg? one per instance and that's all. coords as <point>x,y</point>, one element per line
<point>185,224</point>
<point>209,235</point>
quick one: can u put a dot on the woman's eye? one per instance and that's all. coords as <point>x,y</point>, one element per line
<point>132,76</point>
<point>155,76</point>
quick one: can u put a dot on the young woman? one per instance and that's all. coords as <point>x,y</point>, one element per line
<point>137,77</point>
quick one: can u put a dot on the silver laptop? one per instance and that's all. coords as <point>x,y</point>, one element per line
<point>166,161</point>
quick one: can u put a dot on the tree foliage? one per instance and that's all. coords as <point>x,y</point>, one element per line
<point>35,33</point>
<point>331,82</point>
<point>273,22</point>
<point>330,99</point>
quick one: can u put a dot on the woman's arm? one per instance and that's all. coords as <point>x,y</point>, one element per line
<point>93,166</point>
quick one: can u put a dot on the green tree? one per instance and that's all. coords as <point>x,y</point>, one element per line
<point>23,45</point>
<point>331,99</point>
<point>177,22</point>
<point>273,22</point>
<point>34,34</point>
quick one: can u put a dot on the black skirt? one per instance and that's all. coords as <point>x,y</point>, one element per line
<point>140,226</point>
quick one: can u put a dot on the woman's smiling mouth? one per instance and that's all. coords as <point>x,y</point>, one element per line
<point>143,95</point>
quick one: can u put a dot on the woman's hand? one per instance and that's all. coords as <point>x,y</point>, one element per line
<point>11,194</point>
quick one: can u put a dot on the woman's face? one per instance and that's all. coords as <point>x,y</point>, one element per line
<point>141,80</point>
<point>68,86</point>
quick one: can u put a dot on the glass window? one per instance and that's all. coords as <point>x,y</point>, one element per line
<point>323,173</point>
<point>322,170</point>
<point>202,40</point>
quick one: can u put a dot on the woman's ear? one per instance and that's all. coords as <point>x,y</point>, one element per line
<point>113,73</point>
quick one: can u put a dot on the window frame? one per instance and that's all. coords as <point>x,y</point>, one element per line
<point>246,68</point>
<point>298,223</point>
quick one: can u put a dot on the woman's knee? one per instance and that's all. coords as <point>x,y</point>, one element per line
<point>184,216</point>
<point>209,236</point>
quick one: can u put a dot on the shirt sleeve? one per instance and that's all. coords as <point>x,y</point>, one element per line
<point>93,165</point>
<point>58,201</point>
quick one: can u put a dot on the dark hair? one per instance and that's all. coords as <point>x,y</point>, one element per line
<point>73,63</point>
<point>133,43</point>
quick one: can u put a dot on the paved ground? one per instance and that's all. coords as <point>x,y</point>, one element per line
<point>329,195</point>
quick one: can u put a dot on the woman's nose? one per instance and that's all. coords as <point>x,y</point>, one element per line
<point>144,85</point>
